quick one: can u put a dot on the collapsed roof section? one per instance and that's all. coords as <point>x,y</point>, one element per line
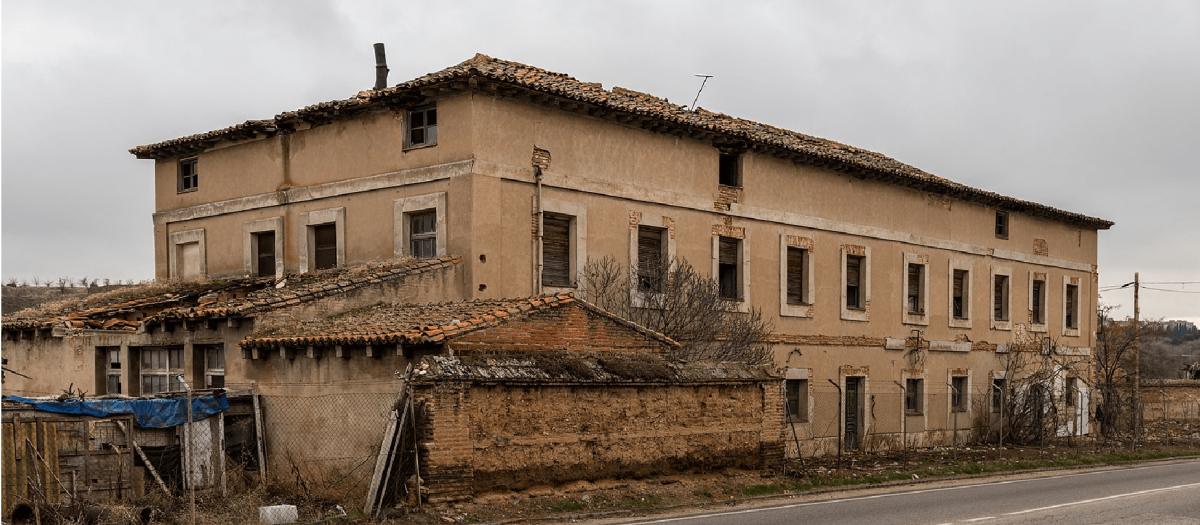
<point>487,75</point>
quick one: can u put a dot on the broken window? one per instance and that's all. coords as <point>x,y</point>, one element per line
<point>325,246</point>
<point>997,394</point>
<point>795,275</point>
<point>161,369</point>
<point>212,357</point>
<point>109,379</point>
<point>422,234</point>
<point>1038,302</point>
<point>960,294</point>
<point>1071,304</point>
<point>797,399</point>
<point>728,270</point>
<point>854,281</point>
<point>1001,224</point>
<point>556,250</point>
<point>916,289</point>
<point>188,176</point>
<point>422,127</point>
<point>1000,298</point>
<point>651,262</point>
<point>914,392</point>
<point>958,394</point>
<point>729,170</point>
<point>264,253</point>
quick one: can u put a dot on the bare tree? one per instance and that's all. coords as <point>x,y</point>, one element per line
<point>63,283</point>
<point>1116,349</point>
<point>37,281</point>
<point>12,281</point>
<point>675,300</point>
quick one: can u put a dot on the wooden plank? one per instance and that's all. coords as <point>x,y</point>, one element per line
<point>389,435</point>
<point>392,454</point>
<point>8,485</point>
<point>221,450</point>
<point>146,460</point>
<point>258,438</point>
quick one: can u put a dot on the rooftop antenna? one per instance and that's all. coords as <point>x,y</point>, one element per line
<point>705,77</point>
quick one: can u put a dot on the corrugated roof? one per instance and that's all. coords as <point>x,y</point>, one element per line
<point>490,75</point>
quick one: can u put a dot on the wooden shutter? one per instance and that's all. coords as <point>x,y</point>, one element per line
<point>727,267</point>
<point>650,258</point>
<point>266,253</point>
<point>959,275</point>
<point>795,275</point>
<point>325,249</point>
<point>853,270</point>
<point>556,250</point>
<point>914,289</point>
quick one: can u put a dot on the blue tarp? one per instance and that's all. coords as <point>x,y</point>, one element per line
<point>151,413</point>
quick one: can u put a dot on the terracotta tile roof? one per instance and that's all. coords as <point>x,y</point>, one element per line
<point>575,367</point>
<point>488,74</point>
<point>420,323</point>
<point>129,309</point>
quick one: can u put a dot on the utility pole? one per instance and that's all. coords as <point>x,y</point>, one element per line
<point>1137,363</point>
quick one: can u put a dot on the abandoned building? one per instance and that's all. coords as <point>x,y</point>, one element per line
<point>491,179</point>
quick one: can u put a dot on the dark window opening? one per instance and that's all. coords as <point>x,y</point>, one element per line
<point>997,394</point>
<point>325,246</point>
<point>1039,313</point>
<point>422,234</point>
<point>797,399</point>
<point>265,253</point>
<point>422,127</point>
<point>109,365</point>
<point>1072,303</point>
<point>1071,391</point>
<point>730,171</point>
<point>556,250</point>
<point>854,281</point>
<point>795,275</point>
<point>728,272</point>
<point>651,259</point>
<point>189,177</point>
<point>1000,298</point>
<point>916,281</point>
<point>958,394</point>
<point>960,294</point>
<point>213,359</point>
<point>1001,224</point>
<point>913,394</point>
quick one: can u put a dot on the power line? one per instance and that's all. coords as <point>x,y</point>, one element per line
<point>1171,291</point>
<point>1176,282</point>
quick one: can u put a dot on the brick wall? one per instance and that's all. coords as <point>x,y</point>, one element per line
<point>571,328</point>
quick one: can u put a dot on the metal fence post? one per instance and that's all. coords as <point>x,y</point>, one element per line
<point>953,408</point>
<point>903,421</point>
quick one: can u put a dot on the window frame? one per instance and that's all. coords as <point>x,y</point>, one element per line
<point>968,291</point>
<point>1002,299</point>
<point>177,241</point>
<point>639,218</point>
<point>170,373</point>
<point>187,175</point>
<point>577,240</point>
<point>1072,295</point>
<point>207,370</point>
<point>402,211</point>
<point>797,402</point>
<point>741,295</point>
<point>804,308</point>
<point>1038,302</point>
<point>250,246</point>
<point>960,394</point>
<point>1003,224</point>
<point>862,308</point>
<point>914,399</point>
<point>308,222</point>
<point>997,395</point>
<point>921,315</point>
<point>654,280</point>
<point>106,372</point>
<point>429,131</point>
<point>729,169</point>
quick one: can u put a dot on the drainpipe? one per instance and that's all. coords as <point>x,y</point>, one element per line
<point>537,248</point>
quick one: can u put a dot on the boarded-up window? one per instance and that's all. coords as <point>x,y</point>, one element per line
<point>1000,298</point>
<point>797,399</point>
<point>795,275</point>
<point>651,263</point>
<point>730,174</point>
<point>188,264</point>
<point>1072,306</point>
<point>916,288</point>
<point>264,245</point>
<point>1039,299</point>
<point>556,250</point>
<point>913,394</point>
<point>728,272</point>
<point>960,294</point>
<point>422,234</point>
<point>854,281</point>
<point>325,246</point>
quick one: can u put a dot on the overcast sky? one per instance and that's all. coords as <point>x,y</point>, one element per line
<point>1087,106</point>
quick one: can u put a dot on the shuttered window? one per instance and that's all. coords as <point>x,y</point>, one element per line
<point>728,272</point>
<point>1072,304</point>
<point>916,278</point>
<point>556,250</point>
<point>795,275</point>
<point>422,234</point>
<point>1000,298</point>
<point>960,294</point>
<point>651,263</point>
<point>854,264</point>
<point>325,246</point>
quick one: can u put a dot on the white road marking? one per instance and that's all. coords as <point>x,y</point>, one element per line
<point>924,491</point>
<point>985,518</point>
<point>1114,496</point>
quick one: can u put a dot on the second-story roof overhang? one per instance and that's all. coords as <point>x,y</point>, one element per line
<point>486,75</point>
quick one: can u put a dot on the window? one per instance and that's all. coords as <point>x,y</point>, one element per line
<point>188,176</point>
<point>728,271</point>
<point>795,275</point>
<point>1037,307</point>
<point>1071,304</point>
<point>1001,224</point>
<point>796,397</point>
<point>325,246</point>
<point>854,282</point>
<point>213,359</point>
<point>187,255</point>
<point>264,253</point>
<point>1070,391</point>
<point>556,250</point>
<point>958,394</point>
<point>1000,298</point>
<point>161,368</point>
<point>997,394</point>
<point>422,234</point>
<point>651,260</point>
<point>960,302</point>
<point>916,282</point>
<point>422,127</point>
<point>914,392</point>
<point>730,170</point>
<point>109,361</point>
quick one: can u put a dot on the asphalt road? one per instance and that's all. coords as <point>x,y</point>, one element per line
<point>1164,494</point>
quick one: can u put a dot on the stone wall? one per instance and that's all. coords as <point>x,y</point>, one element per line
<point>1178,398</point>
